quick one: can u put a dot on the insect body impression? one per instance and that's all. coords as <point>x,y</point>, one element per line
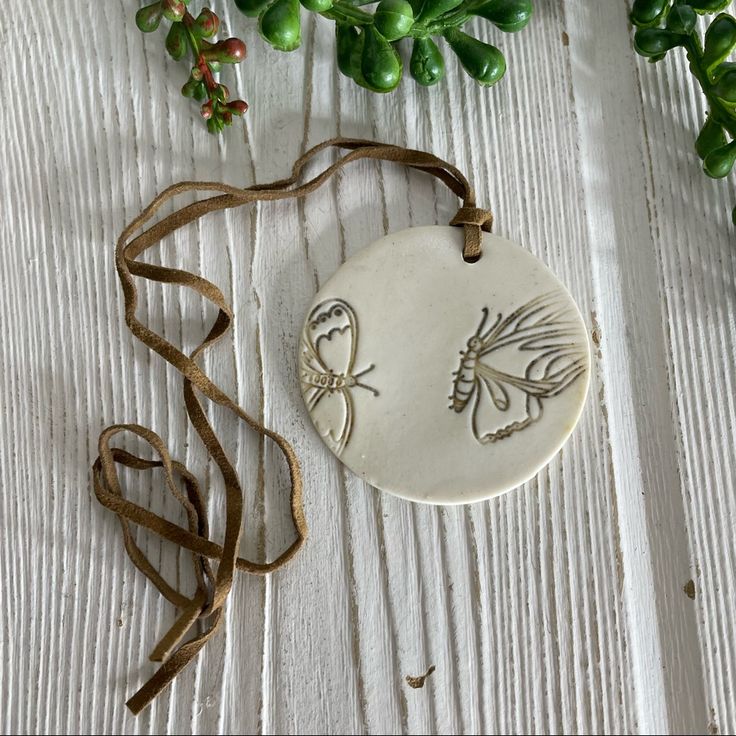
<point>508,368</point>
<point>328,375</point>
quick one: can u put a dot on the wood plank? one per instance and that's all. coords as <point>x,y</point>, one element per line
<point>557,608</point>
<point>693,239</point>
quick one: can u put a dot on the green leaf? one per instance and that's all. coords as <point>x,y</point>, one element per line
<point>655,42</point>
<point>426,65</point>
<point>227,51</point>
<point>725,87</point>
<point>317,6</point>
<point>393,19</point>
<point>380,64</point>
<point>176,41</point>
<point>148,18</point>
<point>721,69</point>
<point>682,19</point>
<point>215,125</point>
<point>432,9</point>
<point>720,40</point>
<point>252,8</point>
<point>173,10</point>
<point>189,89</point>
<point>719,162</point>
<point>483,62</point>
<point>280,25</point>
<point>648,13</point>
<point>507,15</point>
<point>206,24</point>
<point>711,136</point>
<point>701,7</point>
<point>349,45</point>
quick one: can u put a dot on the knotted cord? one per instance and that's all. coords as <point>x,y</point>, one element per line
<point>213,587</point>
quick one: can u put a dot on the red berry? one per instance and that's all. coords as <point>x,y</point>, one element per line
<point>229,51</point>
<point>237,107</point>
<point>174,10</point>
<point>207,23</point>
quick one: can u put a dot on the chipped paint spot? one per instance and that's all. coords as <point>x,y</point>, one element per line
<point>417,682</point>
<point>565,39</point>
<point>595,333</point>
<point>713,726</point>
<point>689,589</point>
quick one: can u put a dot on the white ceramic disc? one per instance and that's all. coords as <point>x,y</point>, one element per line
<point>439,380</point>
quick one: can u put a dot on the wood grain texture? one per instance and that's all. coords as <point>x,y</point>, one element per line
<point>556,608</point>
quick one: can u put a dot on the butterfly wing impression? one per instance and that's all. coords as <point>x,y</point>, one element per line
<point>328,376</point>
<point>512,365</point>
<point>407,303</point>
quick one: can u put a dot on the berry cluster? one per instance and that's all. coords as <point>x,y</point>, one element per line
<point>190,35</point>
<point>367,43</point>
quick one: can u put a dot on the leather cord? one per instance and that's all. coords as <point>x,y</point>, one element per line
<point>213,586</point>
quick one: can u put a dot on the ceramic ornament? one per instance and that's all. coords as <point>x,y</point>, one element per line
<point>439,380</point>
<point>431,377</point>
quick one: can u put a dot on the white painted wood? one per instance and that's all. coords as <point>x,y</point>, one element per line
<point>557,608</point>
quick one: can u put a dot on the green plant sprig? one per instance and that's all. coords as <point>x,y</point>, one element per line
<point>663,25</point>
<point>367,42</point>
<point>192,35</point>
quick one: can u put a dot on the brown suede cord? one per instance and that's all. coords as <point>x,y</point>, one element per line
<point>212,589</point>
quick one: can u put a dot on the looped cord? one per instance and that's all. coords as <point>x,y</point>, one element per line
<point>213,587</point>
<point>473,219</point>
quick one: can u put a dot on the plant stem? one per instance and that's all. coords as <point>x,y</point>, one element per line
<point>347,13</point>
<point>199,61</point>
<point>453,19</point>
<point>718,110</point>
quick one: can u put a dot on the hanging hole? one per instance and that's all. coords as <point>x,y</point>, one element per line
<point>472,259</point>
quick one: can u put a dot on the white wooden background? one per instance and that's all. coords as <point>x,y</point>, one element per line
<point>557,608</point>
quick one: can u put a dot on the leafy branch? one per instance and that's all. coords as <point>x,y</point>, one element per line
<point>666,24</point>
<point>367,43</point>
<point>190,35</point>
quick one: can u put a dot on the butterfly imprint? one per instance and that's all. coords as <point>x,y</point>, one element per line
<point>328,375</point>
<point>510,367</point>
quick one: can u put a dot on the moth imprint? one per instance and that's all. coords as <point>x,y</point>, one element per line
<point>328,375</point>
<point>509,368</point>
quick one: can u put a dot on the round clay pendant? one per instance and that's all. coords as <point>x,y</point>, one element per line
<point>439,380</point>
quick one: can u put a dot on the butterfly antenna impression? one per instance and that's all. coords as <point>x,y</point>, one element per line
<point>490,330</point>
<point>356,376</point>
<point>483,321</point>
